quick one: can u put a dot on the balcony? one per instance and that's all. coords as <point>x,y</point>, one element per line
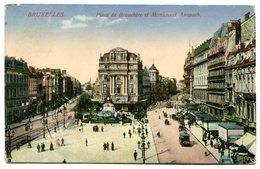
<point>219,90</point>
<point>216,65</point>
<point>215,52</point>
<point>216,78</point>
<point>214,105</point>
<point>249,96</point>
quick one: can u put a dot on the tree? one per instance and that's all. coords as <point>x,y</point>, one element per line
<point>83,105</point>
<point>88,87</point>
<point>139,112</point>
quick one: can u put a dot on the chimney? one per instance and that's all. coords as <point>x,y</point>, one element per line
<point>247,16</point>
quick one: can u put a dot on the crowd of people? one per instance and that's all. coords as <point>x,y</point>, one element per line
<point>59,142</point>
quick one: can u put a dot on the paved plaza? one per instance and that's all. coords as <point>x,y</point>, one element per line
<point>76,151</point>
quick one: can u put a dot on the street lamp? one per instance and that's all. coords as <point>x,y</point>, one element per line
<point>44,121</point>
<point>9,133</point>
<point>141,144</point>
<point>55,117</point>
<point>64,116</point>
<point>29,127</point>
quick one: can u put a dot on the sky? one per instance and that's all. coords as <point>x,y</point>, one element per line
<point>74,40</point>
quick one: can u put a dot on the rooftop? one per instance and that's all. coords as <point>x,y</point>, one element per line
<point>153,67</point>
<point>231,126</point>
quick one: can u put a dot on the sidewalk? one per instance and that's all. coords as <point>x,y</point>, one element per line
<point>197,131</point>
<point>35,118</point>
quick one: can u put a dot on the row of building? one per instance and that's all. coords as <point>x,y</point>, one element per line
<point>122,78</point>
<point>219,74</point>
<point>30,91</point>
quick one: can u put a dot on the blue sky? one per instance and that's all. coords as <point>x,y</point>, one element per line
<point>79,36</point>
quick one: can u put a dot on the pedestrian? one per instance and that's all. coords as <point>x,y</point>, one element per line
<point>58,143</point>
<point>107,146</point>
<point>219,147</point>
<point>124,134</point>
<point>102,129</point>
<point>206,152</point>
<point>158,134</point>
<point>139,131</point>
<point>222,152</point>
<point>159,117</point>
<point>135,155</point>
<point>130,134</point>
<point>104,146</point>
<point>17,146</point>
<point>211,142</point>
<point>86,141</point>
<point>38,147</point>
<point>42,147</point>
<point>146,131</point>
<point>112,146</point>
<point>51,147</point>
<point>62,142</point>
<point>206,142</point>
<point>129,131</point>
<point>55,129</point>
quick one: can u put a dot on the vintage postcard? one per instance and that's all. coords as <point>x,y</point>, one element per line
<point>130,84</point>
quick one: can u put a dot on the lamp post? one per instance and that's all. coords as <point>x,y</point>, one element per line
<point>9,133</point>
<point>44,121</point>
<point>141,144</point>
<point>29,127</point>
<point>55,117</point>
<point>64,116</point>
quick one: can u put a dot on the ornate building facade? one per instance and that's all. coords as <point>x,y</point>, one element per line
<point>154,80</point>
<point>241,73</point>
<point>188,73</point>
<point>200,72</point>
<point>16,90</point>
<point>120,76</point>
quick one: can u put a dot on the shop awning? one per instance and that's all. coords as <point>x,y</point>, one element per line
<point>204,116</point>
<point>252,148</point>
<point>248,140</point>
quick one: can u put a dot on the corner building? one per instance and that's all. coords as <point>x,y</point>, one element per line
<point>120,77</point>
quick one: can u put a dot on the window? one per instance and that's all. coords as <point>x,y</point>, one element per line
<point>131,88</point>
<point>105,77</point>
<point>104,88</point>
<point>118,57</point>
<point>131,66</point>
<point>131,77</point>
<point>118,88</point>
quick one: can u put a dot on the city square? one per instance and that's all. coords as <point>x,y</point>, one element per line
<point>76,151</point>
<point>130,84</point>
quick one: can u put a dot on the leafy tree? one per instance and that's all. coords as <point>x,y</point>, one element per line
<point>139,112</point>
<point>88,87</point>
<point>83,105</point>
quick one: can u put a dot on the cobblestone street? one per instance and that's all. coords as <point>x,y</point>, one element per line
<point>168,146</point>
